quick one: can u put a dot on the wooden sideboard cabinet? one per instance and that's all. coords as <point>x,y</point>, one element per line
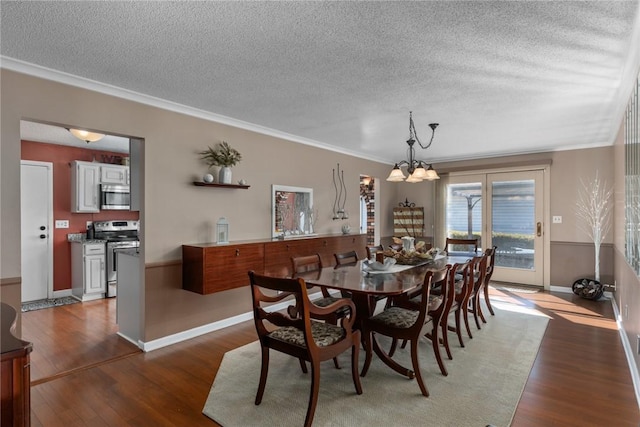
<point>209,268</point>
<point>213,268</point>
<point>15,373</point>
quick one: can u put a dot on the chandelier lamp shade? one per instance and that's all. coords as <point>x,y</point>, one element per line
<point>86,135</point>
<point>415,168</point>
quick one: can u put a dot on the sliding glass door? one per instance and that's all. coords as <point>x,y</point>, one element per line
<point>504,209</point>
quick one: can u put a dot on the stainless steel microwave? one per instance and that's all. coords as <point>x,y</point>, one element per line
<point>115,197</point>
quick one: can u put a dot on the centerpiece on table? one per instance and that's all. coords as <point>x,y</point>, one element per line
<point>224,156</point>
<point>412,255</point>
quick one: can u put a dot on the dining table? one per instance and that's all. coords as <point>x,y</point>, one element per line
<point>366,286</point>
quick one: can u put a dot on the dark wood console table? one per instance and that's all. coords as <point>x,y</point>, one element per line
<point>209,267</point>
<point>15,373</point>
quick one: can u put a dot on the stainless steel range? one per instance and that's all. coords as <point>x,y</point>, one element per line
<point>119,235</point>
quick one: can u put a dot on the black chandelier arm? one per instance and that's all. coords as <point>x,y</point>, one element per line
<point>414,135</point>
<point>433,127</point>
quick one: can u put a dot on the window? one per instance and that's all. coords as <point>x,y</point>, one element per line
<point>632,181</point>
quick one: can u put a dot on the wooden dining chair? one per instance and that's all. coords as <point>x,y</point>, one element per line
<point>346,258</point>
<point>473,305</point>
<point>441,298</point>
<point>470,245</point>
<point>301,337</point>
<point>373,250</point>
<point>403,324</point>
<point>313,263</point>
<point>491,262</point>
<point>461,279</point>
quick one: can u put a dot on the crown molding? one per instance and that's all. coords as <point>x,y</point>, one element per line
<point>34,70</point>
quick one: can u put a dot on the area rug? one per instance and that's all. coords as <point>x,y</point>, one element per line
<point>517,289</point>
<point>485,381</point>
<point>47,303</point>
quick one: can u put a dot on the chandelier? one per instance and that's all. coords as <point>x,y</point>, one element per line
<point>415,167</point>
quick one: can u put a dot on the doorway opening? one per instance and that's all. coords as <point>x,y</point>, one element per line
<point>54,145</point>
<point>368,201</point>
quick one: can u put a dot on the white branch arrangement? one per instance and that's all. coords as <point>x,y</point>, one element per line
<point>593,207</point>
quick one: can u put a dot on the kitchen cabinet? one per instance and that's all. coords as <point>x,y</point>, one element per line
<point>208,267</point>
<point>88,270</point>
<point>114,174</point>
<point>85,190</point>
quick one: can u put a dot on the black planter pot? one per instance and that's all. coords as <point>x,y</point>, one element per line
<point>588,289</point>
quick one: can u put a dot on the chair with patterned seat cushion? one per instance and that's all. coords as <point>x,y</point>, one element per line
<point>441,299</point>
<point>303,265</point>
<point>465,246</point>
<point>402,323</point>
<point>462,283</point>
<point>346,258</point>
<point>473,302</point>
<point>491,262</point>
<point>313,263</point>
<point>300,336</point>
<point>373,250</point>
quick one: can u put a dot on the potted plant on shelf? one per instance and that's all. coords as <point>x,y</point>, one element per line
<point>224,156</point>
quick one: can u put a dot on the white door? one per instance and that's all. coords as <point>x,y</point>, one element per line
<point>36,207</point>
<point>515,225</point>
<point>504,209</point>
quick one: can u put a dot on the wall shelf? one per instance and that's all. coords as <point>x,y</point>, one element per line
<point>213,184</point>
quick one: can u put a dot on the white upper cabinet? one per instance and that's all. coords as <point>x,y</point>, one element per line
<point>114,174</point>
<point>85,188</point>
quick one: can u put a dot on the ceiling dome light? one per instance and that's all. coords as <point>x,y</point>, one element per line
<point>85,135</point>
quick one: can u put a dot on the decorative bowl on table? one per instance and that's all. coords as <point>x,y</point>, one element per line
<point>412,257</point>
<point>380,266</point>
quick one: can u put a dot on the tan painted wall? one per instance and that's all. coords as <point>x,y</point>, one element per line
<point>174,211</point>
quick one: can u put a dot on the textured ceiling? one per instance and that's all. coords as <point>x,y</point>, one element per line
<point>499,77</point>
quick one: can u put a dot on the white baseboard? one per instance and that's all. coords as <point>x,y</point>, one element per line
<point>62,293</point>
<point>568,290</point>
<point>205,329</point>
<point>561,289</point>
<point>635,376</point>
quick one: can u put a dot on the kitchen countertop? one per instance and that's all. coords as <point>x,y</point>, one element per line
<point>83,241</point>
<point>82,238</point>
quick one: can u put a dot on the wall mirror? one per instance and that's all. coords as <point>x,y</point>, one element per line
<point>292,212</point>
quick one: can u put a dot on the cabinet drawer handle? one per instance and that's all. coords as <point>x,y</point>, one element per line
<point>237,252</point>
<point>287,247</point>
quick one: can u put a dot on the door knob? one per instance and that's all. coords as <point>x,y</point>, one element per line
<point>43,236</point>
<point>42,227</point>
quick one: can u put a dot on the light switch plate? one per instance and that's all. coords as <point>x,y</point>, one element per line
<point>557,219</point>
<point>62,223</point>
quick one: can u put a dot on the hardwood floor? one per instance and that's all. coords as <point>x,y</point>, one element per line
<point>580,376</point>
<point>73,336</point>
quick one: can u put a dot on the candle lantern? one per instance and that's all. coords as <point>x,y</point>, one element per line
<point>222,231</point>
